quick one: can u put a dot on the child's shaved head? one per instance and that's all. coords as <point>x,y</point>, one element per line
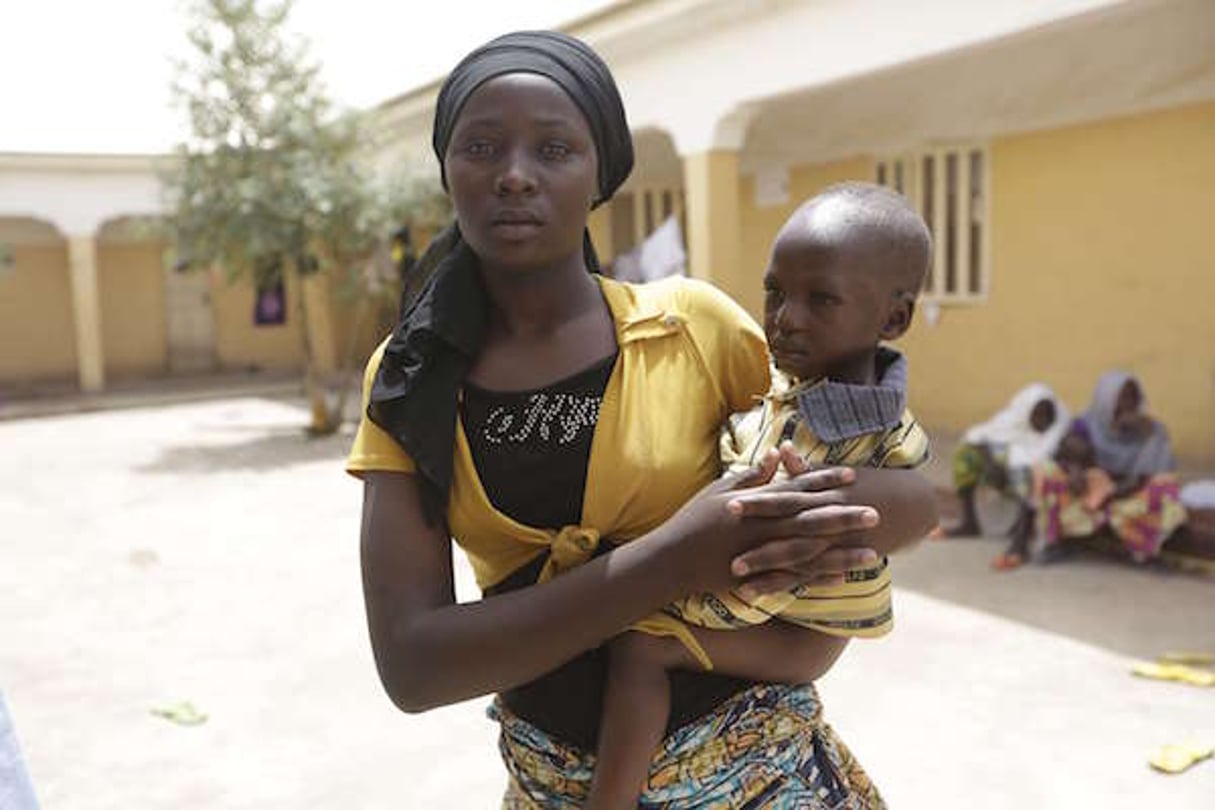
<point>844,275</point>
<point>876,227</point>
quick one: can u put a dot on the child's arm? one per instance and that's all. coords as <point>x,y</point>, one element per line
<point>775,651</point>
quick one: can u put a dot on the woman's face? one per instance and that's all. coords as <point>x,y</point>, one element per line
<point>1126,412</point>
<point>1042,416</point>
<point>522,172</point>
<point>1128,401</point>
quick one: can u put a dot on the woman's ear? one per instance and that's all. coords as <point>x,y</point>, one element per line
<point>898,318</point>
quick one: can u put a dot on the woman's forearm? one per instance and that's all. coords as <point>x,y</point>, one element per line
<point>455,652</point>
<point>906,502</point>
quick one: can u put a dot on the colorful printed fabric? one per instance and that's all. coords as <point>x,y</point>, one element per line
<point>767,748</point>
<point>1142,520</point>
<point>970,471</point>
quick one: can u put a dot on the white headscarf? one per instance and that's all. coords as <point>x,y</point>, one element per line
<point>1011,427</point>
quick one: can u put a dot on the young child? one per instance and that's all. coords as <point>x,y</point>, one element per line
<point>843,277</point>
<point>1077,457</point>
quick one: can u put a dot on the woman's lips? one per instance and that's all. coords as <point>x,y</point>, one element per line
<point>516,224</point>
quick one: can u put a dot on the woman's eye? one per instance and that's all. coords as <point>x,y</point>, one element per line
<point>773,293</point>
<point>555,151</point>
<point>822,299</point>
<point>479,148</point>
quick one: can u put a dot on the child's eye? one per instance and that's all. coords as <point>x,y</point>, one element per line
<point>823,299</point>
<point>773,293</point>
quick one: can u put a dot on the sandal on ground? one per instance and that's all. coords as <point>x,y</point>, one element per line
<point>1182,673</point>
<point>1178,758</point>
<point>1009,561</point>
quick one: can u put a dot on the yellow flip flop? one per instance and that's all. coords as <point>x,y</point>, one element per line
<point>182,714</point>
<point>1174,672</point>
<point>1179,758</point>
<point>1192,658</point>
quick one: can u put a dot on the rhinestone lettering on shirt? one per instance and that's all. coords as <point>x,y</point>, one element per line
<point>543,418</point>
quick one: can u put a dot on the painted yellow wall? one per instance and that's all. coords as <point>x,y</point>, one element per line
<point>130,279</point>
<point>714,216</point>
<point>37,335</point>
<point>358,327</point>
<point>242,345</point>
<point>1102,258</point>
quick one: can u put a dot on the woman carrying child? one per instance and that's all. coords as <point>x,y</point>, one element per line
<point>562,429</point>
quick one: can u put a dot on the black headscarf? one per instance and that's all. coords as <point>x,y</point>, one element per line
<point>442,328</point>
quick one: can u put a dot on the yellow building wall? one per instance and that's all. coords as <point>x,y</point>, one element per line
<point>242,345</point>
<point>1102,258</point>
<point>359,333</point>
<point>130,278</point>
<point>37,335</point>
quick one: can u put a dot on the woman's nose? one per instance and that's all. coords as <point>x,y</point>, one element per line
<point>517,176</point>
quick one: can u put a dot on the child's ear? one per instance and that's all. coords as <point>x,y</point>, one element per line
<point>898,319</point>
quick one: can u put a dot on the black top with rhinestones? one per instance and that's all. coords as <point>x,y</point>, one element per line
<point>531,448</point>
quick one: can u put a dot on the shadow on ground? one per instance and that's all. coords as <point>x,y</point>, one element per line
<point>269,449</point>
<point>1126,609</point>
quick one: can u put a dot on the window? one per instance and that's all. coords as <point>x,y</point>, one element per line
<point>949,187</point>
<point>636,214</point>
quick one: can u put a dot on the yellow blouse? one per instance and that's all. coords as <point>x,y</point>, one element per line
<point>689,356</point>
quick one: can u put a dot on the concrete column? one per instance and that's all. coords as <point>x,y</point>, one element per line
<point>711,191</point>
<point>86,312</point>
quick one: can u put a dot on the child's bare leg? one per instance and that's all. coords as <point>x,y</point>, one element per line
<point>636,705</point>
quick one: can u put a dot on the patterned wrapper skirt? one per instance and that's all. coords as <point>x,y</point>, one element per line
<point>1142,520</point>
<point>970,470</point>
<point>767,748</point>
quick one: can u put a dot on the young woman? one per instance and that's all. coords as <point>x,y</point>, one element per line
<point>1002,452</point>
<point>562,429</point>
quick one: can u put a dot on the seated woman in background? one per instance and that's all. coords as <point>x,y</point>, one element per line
<point>1115,468</point>
<point>1002,452</point>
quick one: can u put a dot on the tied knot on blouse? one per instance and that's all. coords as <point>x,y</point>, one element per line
<point>569,548</point>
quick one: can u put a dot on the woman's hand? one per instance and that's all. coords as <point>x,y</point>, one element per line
<point>1077,482</point>
<point>819,559</point>
<point>746,530</point>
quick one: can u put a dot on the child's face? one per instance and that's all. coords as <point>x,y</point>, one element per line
<point>1042,416</point>
<point>823,312</point>
<point>1075,448</point>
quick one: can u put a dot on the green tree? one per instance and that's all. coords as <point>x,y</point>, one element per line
<point>273,180</point>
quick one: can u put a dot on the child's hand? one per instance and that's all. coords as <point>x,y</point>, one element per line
<point>1077,481</point>
<point>793,462</point>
